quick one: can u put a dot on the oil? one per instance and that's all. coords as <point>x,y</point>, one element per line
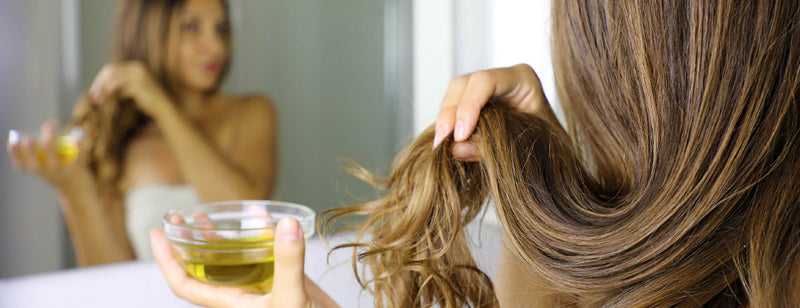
<point>66,151</point>
<point>243,262</point>
<point>254,274</point>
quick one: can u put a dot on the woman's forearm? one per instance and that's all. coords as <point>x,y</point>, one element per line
<point>97,230</point>
<point>205,167</point>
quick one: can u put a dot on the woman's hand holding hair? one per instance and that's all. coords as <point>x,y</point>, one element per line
<point>466,95</point>
<point>290,288</point>
<point>130,80</point>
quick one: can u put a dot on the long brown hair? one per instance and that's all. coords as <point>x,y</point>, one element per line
<point>146,31</point>
<point>677,183</point>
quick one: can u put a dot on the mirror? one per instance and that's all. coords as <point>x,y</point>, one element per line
<point>324,64</point>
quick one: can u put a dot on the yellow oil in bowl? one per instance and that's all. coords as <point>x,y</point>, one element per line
<point>230,243</point>
<point>242,262</point>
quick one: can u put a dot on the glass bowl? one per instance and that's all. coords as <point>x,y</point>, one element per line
<point>229,243</point>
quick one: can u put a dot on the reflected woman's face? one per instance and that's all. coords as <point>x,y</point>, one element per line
<point>204,44</point>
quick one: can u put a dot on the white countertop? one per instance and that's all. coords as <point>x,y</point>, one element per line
<point>140,283</point>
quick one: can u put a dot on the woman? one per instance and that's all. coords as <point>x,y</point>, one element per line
<point>675,183</point>
<point>159,133</point>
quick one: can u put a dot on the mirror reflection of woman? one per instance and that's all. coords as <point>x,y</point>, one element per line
<point>158,132</point>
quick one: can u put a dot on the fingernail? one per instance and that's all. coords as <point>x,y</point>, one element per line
<point>175,219</point>
<point>464,151</point>
<point>459,134</point>
<point>13,137</point>
<point>438,137</point>
<point>287,230</point>
<point>76,133</point>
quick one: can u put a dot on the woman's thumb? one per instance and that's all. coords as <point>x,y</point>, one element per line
<point>287,286</point>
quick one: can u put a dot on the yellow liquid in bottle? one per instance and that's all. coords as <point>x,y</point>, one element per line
<point>66,151</point>
<point>232,263</point>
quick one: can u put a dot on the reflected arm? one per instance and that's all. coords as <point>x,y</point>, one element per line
<point>246,173</point>
<point>97,230</point>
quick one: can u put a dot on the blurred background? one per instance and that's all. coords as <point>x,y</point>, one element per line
<point>350,79</point>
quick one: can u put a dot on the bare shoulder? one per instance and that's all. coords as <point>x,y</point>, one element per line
<point>148,160</point>
<point>254,114</point>
<point>255,107</point>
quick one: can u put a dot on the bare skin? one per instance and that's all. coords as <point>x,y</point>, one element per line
<point>223,146</point>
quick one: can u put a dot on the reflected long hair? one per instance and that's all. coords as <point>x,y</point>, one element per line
<point>146,31</point>
<point>677,182</point>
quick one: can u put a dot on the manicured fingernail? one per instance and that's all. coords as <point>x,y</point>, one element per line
<point>287,230</point>
<point>13,137</point>
<point>464,151</point>
<point>438,137</point>
<point>76,133</point>
<point>460,134</point>
<point>175,219</point>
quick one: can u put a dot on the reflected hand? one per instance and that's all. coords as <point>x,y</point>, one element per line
<point>129,80</point>
<point>39,157</point>
<point>290,289</point>
<point>517,86</point>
